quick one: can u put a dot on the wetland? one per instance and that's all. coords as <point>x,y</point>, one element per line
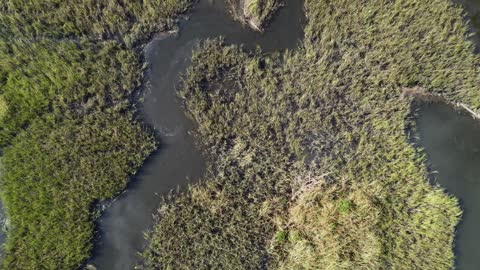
<point>187,135</point>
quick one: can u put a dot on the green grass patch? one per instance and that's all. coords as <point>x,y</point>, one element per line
<point>63,77</point>
<point>68,131</point>
<point>345,206</point>
<point>128,21</point>
<point>53,173</point>
<point>282,236</point>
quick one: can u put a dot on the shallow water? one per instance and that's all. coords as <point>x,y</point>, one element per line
<point>452,143</point>
<point>177,162</point>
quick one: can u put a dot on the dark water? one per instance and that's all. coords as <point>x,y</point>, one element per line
<point>452,143</point>
<point>177,162</point>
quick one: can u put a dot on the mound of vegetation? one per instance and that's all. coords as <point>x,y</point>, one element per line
<point>336,226</point>
<point>310,158</point>
<point>68,131</point>
<point>254,13</point>
<point>348,225</point>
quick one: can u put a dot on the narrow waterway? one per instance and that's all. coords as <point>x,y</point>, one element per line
<point>177,162</point>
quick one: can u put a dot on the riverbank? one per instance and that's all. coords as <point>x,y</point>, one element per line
<point>321,132</point>
<point>69,130</point>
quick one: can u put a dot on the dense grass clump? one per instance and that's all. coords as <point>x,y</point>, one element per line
<point>63,77</point>
<point>255,13</point>
<point>68,131</point>
<point>310,158</point>
<point>128,21</point>
<point>347,225</point>
<point>335,225</point>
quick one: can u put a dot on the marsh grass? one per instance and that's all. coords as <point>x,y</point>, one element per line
<point>129,22</point>
<point>331,112</point>
<point>62,77</point>
<point>337,226</point>
<point>68,129</point>
<point>53,174</point>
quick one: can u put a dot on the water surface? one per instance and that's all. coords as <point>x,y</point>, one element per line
<point>451,140</point>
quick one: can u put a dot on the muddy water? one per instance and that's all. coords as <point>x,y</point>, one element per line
<point>452,143</point>
<point>177,162</point>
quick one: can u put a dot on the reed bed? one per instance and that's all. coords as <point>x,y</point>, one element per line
<point>69,131</point>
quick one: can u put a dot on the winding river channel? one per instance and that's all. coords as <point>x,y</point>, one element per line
<point>177,162</point>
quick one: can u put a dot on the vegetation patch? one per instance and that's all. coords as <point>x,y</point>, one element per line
<point>336,225</point>
<point>310,158</point>
<point>52,176</point>
<point>254,13</point>
<point>68,131</point>
<point>348,225</point>
<point>63,77</point>
<point>127,21</point>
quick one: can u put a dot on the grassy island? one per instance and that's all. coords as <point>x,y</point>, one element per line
<point>311,165</point>
<point>68,131</point>
<point>254,13</point>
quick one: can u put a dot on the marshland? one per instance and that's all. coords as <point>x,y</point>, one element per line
<point>284,124</point>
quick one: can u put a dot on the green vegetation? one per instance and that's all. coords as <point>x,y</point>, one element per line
<point>53,175</point>
<point>68,131</point>
<point>128,21</point>
<point>332,236</point>
<point>255,13</point>
<point>311,165</point>
<point>63,77</point>
<point>353,236</point>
